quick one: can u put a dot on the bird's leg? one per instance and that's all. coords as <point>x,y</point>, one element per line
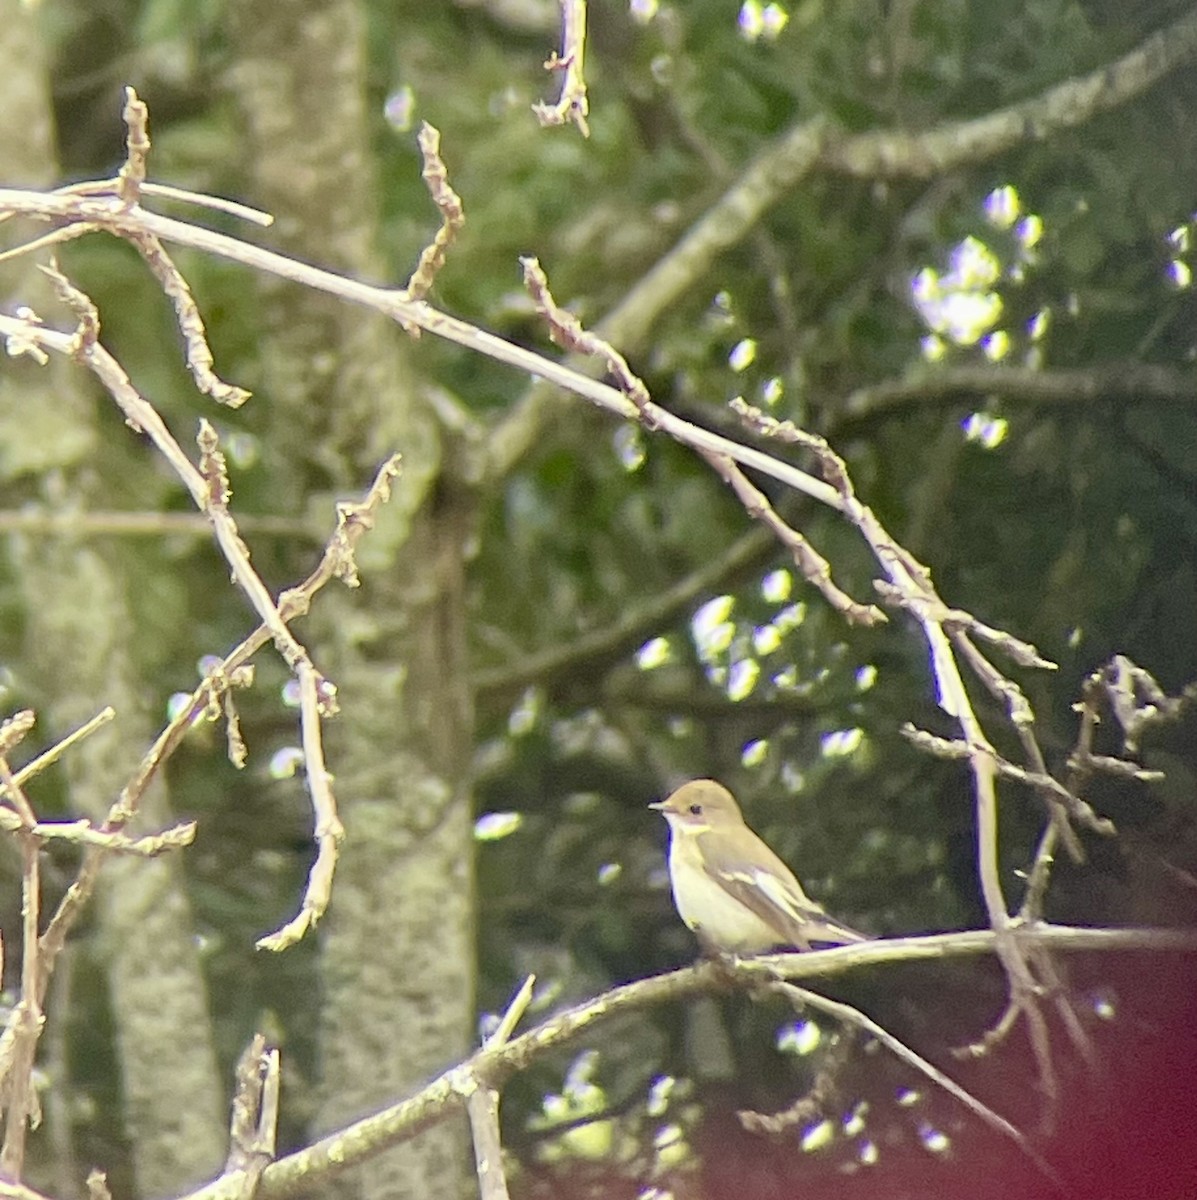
<point>725,962</point>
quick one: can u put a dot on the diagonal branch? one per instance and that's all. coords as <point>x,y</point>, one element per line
<point>803,997</point>
<point>22,335</point>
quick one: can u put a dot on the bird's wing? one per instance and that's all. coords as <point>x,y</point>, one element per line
<point>773,894</point>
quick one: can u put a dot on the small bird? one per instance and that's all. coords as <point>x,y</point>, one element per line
<point>729,887</point>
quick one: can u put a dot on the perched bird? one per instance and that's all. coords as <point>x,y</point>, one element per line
<point>729,887</point>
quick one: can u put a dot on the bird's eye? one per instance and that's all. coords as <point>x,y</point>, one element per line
<point>696,810</point>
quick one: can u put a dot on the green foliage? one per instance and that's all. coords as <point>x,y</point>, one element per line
<point>1076,532</point>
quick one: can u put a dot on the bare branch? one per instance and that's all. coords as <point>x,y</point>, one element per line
<point>18,1044</point>
<point>436,176</point>
<point>1112,382</point>
<point>209,488</point>
<point>299,1172</point>
<point>816,570</point>
<point>84,833</point>
<point>909,584</point>
<point>1054,791</point>
<point>802,997</point>
<point>353,520</point>
<point>567,332</point>
<point>253,1130</point>
<point>573,103</point>
<point>482,1106</point>
<point>68,233</point>
<point>329,830</point>
<point>391,302</point>
<point>86,349</point>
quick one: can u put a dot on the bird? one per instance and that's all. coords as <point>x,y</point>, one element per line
<point>729,888</point>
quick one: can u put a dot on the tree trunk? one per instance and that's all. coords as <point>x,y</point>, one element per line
<point>397,946</point>
<point>81,637</point>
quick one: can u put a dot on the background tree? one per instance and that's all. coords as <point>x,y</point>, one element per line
<point>898,225</point>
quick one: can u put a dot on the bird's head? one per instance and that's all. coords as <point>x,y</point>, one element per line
<point>700,805</point>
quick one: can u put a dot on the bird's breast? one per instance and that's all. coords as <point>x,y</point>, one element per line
<point>710,911</point>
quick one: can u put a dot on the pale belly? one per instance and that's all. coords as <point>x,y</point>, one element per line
<point>719,920</point>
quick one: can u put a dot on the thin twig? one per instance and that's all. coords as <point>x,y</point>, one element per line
<point>337,561</point>
<point>909,584</point>
<point>234,208</point>
<point>137,142</point>
<point>482,1105</point>
<point>84,833</point>
<point>209,486</point>
<point>803,997</point>
<point>436,176</point>
<point>85,348</point>
<point>568,332</point>
<point>329,831</point>
<point>191,325</point>
<point>253,1127</point>
<point>19,331</point>
<point>816,570</point>
<point>573,103</point>
<point>18,1044</point>
<point>952,749</point>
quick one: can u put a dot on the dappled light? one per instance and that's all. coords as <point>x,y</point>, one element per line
<point>598,600</point>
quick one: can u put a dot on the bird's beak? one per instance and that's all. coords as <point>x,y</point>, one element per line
<point>659,806</point>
